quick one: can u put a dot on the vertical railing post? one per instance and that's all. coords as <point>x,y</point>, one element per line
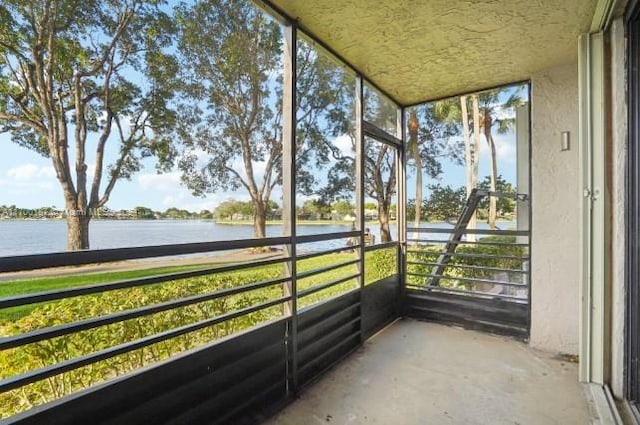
<point>289,195</point>
<point>401,202</point>
<point>360,179</point>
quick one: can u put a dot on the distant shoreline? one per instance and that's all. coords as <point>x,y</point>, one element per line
<point>234,222</point>
<point>302,222</point>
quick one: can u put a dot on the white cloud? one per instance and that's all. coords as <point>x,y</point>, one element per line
<point>505,149</point>
<point>301,199</point>
<point>502,112</point>
<point>28,178</point>
<point>167,182</point>
<point>177,195</point>
<point>30,173</point>
<point>344,143</point>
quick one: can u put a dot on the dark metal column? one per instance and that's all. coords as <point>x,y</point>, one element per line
<point>360,176</point>
<point>289,194</point>
<point>401,202</point>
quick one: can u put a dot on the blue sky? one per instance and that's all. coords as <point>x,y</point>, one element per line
<point>28,180</point>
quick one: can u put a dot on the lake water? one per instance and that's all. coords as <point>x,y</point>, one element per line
<point>22,237</point>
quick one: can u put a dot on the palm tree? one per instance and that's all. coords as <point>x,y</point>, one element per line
<point>414,153</point>
<point>429,140</point>
<point>471,160</point>
<point>489,116</point>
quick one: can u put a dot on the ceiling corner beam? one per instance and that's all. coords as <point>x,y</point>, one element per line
<point>277,12</point>
<point>603,15</point>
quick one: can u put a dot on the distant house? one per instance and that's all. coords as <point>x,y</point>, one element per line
<point>371,214</point>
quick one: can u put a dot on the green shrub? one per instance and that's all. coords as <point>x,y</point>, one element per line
<point>56,350</point>
<point>380,264</point>
<point>431,253</point>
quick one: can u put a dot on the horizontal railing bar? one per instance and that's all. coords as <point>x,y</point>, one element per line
<point>326,252</point>
<point>468,255</point>
<point>329,284</point>
<point>381,246</point>
<point>326,236</point>
<point>466,292</point>
<point>469,231</point>
<point>129,283</point>
<point>18,381</point>
<point>343,295</point>
<point>328,335</point>
<point>325,269</point>
<point>371,130</point>
<point>68,328</point>
<point>59,259</point>
<point>243,405</point>
<point>465,266</point>
<point>309,328</point>
<point>444,241</point>
<point>330,350</point>
<point>469,279</point>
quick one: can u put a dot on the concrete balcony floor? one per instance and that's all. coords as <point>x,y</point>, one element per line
<point>423,373</point>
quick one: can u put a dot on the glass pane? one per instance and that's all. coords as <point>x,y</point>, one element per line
<point>458,148</point>
<point>325,138</point>
<point>380,110</point>
<point>184,145</point>
<point>191,143</point>
<point>325,171</point>
<point>380,193</point>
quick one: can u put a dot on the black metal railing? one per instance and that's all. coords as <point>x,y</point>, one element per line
<point>320,277</point>
<point>495,265</point>
<point>478,283</point>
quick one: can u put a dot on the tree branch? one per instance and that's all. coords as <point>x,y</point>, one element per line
<point>122,25</point>
<point>128,144</point>
<point>239,177</point>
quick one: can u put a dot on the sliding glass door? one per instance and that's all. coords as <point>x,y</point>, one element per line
<point>632,339</point>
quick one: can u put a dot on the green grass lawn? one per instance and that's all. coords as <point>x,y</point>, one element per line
<point>378,264</point>
<point>27,286</point>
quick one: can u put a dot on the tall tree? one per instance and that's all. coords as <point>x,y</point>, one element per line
<point>455,112</point>
<point>380,184</point>
<point>231,59</point>
<point>505,205</point>
<point>471,159</point>
<point>445,203</point>
<point>380,160</point>
<point>413,148</point>
<point>70,75</point>
<point>228,50</point>
<point>476,149</point>
<point>491,105</point>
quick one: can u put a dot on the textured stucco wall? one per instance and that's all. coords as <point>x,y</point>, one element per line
<point>422,50</point>
<point>618,164</point>
<point>555,250</point>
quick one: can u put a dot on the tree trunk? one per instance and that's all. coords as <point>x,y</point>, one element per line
<point>476,156</point>
<point>415,154</point>
<point>383,218</point>
<point>418,206</point>
<point>77,231</point>
<point>494,175</point>
<point>259,219</point>
<point>494,171</point>
<point>469,160</point>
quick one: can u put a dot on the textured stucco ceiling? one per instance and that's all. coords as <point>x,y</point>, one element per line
<point>426,49</point>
